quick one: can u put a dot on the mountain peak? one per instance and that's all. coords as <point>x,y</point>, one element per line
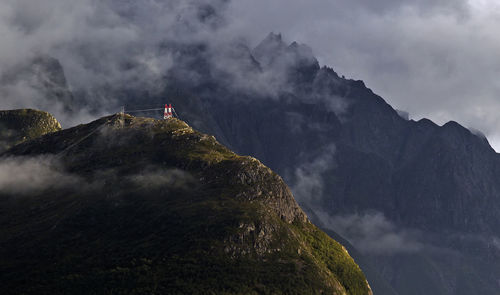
<point>269,48</point>
<point>303,52</point>
<point>273,37</point>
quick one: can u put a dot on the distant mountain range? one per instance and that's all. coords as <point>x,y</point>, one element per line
<point>356,165</point>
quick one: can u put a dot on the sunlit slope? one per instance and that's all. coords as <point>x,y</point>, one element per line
<point>17,126</point>
<point>153,206</point>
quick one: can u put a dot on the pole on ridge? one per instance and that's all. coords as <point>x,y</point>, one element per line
<point>122,116</point>
<point>168,111</point>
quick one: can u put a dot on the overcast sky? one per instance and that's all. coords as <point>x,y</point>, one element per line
<point>436,59</point>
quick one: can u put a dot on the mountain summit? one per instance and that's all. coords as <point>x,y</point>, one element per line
<point>348,156</point>
<point>152,206</point>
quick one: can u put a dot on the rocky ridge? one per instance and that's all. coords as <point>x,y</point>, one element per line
<point>159,207</point>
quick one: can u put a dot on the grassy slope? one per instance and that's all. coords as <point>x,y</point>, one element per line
<point>17,126</point>
<point>207,237</point>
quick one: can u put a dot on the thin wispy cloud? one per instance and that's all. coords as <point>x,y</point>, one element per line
<point>32,175</point>
<point>373,233</point>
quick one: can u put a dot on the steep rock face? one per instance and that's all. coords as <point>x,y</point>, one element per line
<point>154,206</point>
<point>452,178</point>
<point>275,103</point>
<point>362,154</point>
<point>376,149</point>
<point>43,77</point>
<point>17,126</point>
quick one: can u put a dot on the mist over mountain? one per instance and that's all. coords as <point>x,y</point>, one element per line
<point>394,46</point>
<point>419,201</point>
<point>135,205</point>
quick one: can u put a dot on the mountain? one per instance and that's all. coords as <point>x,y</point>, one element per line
<point>41,80</point>
<point>17,126</point>
<point>346,152</point>
<point>419,202</point>
<point>136,205</point>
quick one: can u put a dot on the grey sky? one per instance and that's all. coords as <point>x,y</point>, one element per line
<point>435,59</point>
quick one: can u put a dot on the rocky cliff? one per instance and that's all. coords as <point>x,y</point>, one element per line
<point>345,152</point>
<point>153,206</point>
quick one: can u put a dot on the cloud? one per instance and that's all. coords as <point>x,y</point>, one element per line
<point>170,178</point>
<point>26,175</point>
<point>496,242</point>
<point>29,175</point>
<point>373,233</point>
<point>403,114</point>
<point>105,47</point>
<point>308,183</point>
<point>435,59</point>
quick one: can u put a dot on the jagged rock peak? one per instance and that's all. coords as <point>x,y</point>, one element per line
<point>273,51</point>
<point>273,44</point>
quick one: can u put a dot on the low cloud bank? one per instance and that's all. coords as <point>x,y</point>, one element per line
<point>308,181</point>
<point>169,178</point>
<point>29,175</point>
<point>373,233</point>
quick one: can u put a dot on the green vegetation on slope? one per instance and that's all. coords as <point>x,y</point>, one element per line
<point>163,209</point>
<point>17,126</point>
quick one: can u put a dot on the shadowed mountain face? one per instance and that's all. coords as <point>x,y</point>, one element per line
<point>346,152</point>
<point>128,205</point>
<point>349,156</point>
<point>43,78</point>
<point>417,173</point>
